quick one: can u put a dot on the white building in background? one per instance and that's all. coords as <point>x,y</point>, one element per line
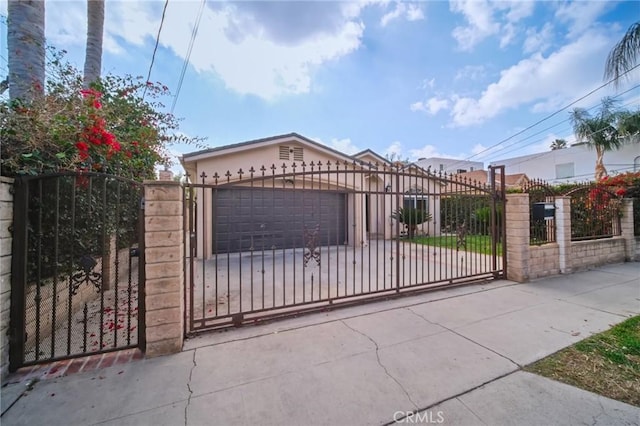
<point>449,165</point>
<point>573,164</point>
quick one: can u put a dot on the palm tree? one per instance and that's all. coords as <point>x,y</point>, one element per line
<point>624,55</point>
<point>95,29</point>
<point>599,131</point>
<point>558,144</point>
<point>26,46</point>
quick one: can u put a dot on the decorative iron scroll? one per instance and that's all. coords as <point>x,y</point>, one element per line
<point>461,240</point>
<point>311,250</point>
<point>87,263</point>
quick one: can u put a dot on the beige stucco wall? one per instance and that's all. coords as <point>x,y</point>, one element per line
<point>327,176</point>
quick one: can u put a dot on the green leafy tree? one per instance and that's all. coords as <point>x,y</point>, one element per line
<point>108,128</point>
<point>411,218</point>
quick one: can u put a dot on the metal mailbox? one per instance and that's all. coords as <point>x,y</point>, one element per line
<point>543,211</point>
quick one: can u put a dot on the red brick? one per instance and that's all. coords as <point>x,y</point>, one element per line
<point>76,366</point>
<point>108,360</point>
<point>92,363</point>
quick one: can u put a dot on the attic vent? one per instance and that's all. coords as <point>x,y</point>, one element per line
<point>284,152</point>
<point>298,154</point>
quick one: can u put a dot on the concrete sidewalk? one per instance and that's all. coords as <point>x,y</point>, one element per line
<point>454,356</point>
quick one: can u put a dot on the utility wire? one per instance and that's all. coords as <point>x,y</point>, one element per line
<point>547,117</point>
<point>194,33</point>
<point>155,48</point>
<point>494,154</point>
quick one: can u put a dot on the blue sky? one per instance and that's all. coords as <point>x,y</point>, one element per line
<point>417,79</point>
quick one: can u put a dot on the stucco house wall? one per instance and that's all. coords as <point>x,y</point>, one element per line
<point>368,186</point>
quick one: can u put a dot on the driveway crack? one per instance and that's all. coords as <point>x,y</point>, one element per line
<point>186,407</point>
<point>384,368</point>
<point>466,338</point>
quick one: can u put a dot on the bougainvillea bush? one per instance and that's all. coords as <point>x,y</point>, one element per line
<point>627,185</point>
<point>117,126</point>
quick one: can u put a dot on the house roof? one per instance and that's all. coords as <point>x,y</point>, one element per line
<point>372,153</point>
<point>271,140</point>
<point>482,177</point>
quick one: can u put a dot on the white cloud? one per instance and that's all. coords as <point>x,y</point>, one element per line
<point>411,12</point>
<point>581,15</point>
<point>344,145</point>
<point>394,150</point>
<point>546,80</point>
<point>470,72</point>
<point>254,47</point>
<point>538,41</point>
<point>431,106</point>
<point>428,151</point>
<point>482,23</point>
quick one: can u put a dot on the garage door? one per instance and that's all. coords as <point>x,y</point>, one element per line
<point>264,219</point>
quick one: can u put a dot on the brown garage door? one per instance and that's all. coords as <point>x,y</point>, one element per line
<point>247,219</point>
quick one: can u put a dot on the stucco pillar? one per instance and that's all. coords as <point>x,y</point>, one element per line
<point>563,233</point>
<point>164,267</point>
<point>626,229</point>
<point>517,218</point>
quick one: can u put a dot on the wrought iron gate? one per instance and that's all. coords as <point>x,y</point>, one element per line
<point>77,268</point>
<point>277,241</point>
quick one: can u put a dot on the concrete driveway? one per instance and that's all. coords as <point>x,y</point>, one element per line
<point>265,279</point>
<point>453,355</point>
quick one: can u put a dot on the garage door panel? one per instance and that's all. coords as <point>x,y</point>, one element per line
<point>266,218</point>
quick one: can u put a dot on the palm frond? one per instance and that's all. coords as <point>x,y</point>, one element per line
<point>624,54</point>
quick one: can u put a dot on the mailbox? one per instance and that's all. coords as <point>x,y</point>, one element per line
<point>543,211</point>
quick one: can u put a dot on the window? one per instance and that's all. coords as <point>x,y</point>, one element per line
<point>461,171</point>
<point>565,170</point>
<point>284,152</point>
<point>415,199</point>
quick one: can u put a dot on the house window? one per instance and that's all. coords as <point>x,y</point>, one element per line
<point>298,154</point>
<point>415,199</point>
<point>461,171</point>
<point>565,170</point>
<point>284,152</point>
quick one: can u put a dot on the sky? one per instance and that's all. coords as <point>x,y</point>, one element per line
<point>461,79</point>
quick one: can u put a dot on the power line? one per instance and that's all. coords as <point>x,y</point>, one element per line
<point>155,48</point>
<point>547,117</point>
<point>542,131</point>
<point>194,33</point>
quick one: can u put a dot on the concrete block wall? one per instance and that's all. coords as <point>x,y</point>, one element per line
<point>544,260</point>
<point>590,253</point>
<point>164,267</point>
<point>518,253</point>
<point>6,220</point>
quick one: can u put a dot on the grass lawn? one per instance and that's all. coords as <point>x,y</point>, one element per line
<point>607,363</point>
<point>475,243</point>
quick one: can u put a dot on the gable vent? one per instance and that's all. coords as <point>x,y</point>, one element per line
<point>298,154</point>
<point>284,152</point>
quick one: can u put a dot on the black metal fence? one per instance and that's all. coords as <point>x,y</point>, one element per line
<point>542,230</point>
<point>595,212</point>
<point>274,241</point>
<point>76,273</point>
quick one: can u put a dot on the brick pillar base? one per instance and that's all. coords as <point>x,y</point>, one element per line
<point>164,266</point>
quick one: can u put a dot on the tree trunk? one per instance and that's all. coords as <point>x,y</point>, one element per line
<point>26,46</point>
<point>600,170</point>
<point>95,28</point>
